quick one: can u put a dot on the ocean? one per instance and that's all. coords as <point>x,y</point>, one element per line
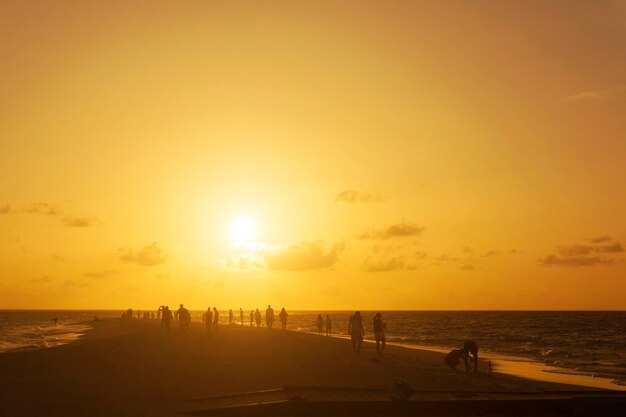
<point>581,342</point>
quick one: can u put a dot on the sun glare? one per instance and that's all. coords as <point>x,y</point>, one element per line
<point>242,229</point>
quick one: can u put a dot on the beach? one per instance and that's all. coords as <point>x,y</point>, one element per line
<point>132,368</point>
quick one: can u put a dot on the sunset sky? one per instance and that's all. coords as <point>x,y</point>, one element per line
<point>313,155</point>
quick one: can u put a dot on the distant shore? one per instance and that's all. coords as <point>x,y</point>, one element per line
<point>132,368</point>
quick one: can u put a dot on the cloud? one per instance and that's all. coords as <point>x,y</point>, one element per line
<point>41,280</point>
<point>49,209</point>
<point>574,261</point>
<point>149,255</point>
<point>580,255</point>
<point>77,221</point>
<point>398,230</point>
<point>468,268</point>
<point>73,284</point>
<point>56,257</point>
<point>356,196</point>
<point>610,94</point>
<point>601,239</point>
<point>383,265</point>
<point>100,274</point>
<point>578,250</point>
<point>42,208</point>
<point>304,256</point>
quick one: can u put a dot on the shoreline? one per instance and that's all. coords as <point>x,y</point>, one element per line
<point>537,371</point>
<point>514,366</point>
<point>133,368</point>
<point>502,364</point>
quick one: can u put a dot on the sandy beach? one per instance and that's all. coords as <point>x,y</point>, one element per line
<point>132,368</point>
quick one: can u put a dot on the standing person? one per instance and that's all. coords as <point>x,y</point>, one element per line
<point>241,315</point>
<point>183,317</point>
<point>269,317</point>
<point>320,324</point>
<point>329,325</point>
<point>283,318</point>
<point>230,316</point>
<point>159,311</point>
<point>355,328</point>
<point>216,320</point>
<point>251,318</point>
<point>257,316</point>
<point>469,346</point>
<point>379,334</point>
<point>208,320</point>
<point>166,319</point>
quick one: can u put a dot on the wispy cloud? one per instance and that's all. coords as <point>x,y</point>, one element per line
<point>373,264</point>
<point>581,255</point>
<point>304,256</point>
<point>398,230</point>
<point>41,280</point>
<point>357,196</point>
<point>149,255</point>
<point>100,274</point>
<point>49,209</point>
<point>575,261</point>
<point>70,221</point>
<point>601,239</point>
<point>614,93</point>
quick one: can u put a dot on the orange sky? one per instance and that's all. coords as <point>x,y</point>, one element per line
<point>380,155</point>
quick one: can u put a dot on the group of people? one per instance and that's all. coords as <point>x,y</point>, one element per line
<point>355,329</point>
<point>211,318</point>
<point>165,316</point>
<point>324,323</point>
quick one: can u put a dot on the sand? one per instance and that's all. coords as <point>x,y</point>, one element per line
<point>123,368</point>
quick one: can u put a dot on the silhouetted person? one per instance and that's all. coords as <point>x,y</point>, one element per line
<point>469,346</point>
<point>241,315</point>
<point>159,311</point>
<point>329,325</point>
<point>453,358</point>
<point>283,318</point>
<point>269,317</point>
<point>55,320</point>
<point>183,317</point>
<point>166,319</point>
<point>251,318</point>
<point>230,316</point>
<point>379,334</point>
<point>216,320</point>
<point>258,318</point>
<point>355,328</point>
<point>320,324</point>
<point>208,319</point>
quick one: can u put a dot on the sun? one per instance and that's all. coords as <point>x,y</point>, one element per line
<point>242,229</point>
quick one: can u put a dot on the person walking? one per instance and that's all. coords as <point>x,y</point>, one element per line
<point>355,328</point>
<point>320,324</point>
<point>283,318</point>
<point>269,317</point>
<point>379,335</point>
<point>329,325</point>
<point>216,320</point>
